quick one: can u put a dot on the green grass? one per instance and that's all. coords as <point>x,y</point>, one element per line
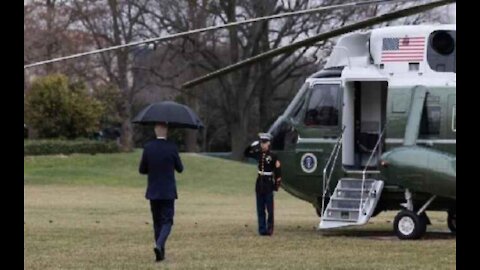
<point>89,212</point>
<point>202,173</point>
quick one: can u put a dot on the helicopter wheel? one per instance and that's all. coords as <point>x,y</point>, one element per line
<point>452,220</point>
<point>408,225</point>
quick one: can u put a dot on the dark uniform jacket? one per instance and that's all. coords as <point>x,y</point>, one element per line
<point>159,160</point>
<point>267,172</point>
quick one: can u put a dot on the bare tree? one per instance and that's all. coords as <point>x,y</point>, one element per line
<point>113,23</point>
<point>238,94</point>
<point>236,105</point>
<point>51,29</point>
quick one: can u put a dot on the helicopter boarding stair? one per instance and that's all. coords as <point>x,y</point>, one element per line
<point>354,199</point>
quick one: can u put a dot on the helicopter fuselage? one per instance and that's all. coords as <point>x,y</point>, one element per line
<point>365,95</point>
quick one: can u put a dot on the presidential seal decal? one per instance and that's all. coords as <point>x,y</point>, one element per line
<point>308,162</point>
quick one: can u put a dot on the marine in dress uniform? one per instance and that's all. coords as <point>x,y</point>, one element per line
<point>268,181</point>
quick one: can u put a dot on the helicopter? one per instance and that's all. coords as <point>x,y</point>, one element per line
<point>375,129</point>
<point>385,100</point>
<point>378,124</point>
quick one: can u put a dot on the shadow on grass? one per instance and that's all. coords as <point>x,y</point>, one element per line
<point>385,235</point>
<point>372,233</point>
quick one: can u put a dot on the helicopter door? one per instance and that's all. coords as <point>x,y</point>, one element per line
<point>451,125</point>
<point>452,105</point>
<point>364,119</point>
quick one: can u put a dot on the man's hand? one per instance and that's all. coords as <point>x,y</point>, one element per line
<point>252,149</point>
<point>278,181</point>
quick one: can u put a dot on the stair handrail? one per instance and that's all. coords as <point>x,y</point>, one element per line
<point>360,206</point>
<point>326,181</point>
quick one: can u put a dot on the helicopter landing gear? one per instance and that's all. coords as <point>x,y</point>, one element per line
<point>452,220</point>
<point>408,197</point>
<point>408,224</point>
<point>426,218</point>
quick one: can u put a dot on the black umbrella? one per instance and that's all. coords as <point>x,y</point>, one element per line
<point>172,113</point>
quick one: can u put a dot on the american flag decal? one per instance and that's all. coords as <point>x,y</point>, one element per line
<point>407,49</point>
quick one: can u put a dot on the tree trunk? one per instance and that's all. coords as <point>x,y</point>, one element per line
<point>239,135</point>
<point>204,139</point>
<point>265,86</point>
<point>265,98</point>
<point>126,141</point>
<point>263,106</point>
<point>191,140</point>
<point>122,80</point>
<point>197,17</point>
<point>50,33</point>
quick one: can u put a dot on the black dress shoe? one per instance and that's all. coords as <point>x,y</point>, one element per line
<point>159,254</point>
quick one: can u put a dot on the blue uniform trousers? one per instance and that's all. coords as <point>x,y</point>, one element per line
<point>162,213</point>
<point>265,202</point>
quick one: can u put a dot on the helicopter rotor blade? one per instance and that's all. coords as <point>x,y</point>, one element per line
<point>324,36</point>
<point>211,28</point>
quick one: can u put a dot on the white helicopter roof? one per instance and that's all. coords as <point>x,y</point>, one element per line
<point>413,38</point>
<point>357,44</point>
<point>409,29</point>
<point>376,54</point>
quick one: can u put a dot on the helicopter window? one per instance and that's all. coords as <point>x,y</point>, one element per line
<point>413,66</point>
<point>430,123</point>
<point>443,43</point>
<point>441,52</point>
<point>284,135</point>
<point>323,106</point>
<point>298,109</point>
<point>296,104</point>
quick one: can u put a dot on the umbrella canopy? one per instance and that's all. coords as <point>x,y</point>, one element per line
<point>172,113</point>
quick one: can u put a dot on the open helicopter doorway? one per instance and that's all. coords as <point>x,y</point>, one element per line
<point>364,118</point>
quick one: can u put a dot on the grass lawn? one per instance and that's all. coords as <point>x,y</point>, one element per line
<point>89,212</point>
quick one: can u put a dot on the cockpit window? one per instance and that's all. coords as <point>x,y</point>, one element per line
<point>323,106</point>
<point>297,103</point>
<point>296,112</point>
<point>283,132</point>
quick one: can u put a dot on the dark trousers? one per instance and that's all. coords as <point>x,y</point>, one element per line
<point>265,202</point>
<point>162,213</point>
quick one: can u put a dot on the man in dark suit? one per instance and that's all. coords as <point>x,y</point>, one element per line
<point>159,160</point>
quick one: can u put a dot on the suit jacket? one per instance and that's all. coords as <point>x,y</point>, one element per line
<point>159,160</point>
